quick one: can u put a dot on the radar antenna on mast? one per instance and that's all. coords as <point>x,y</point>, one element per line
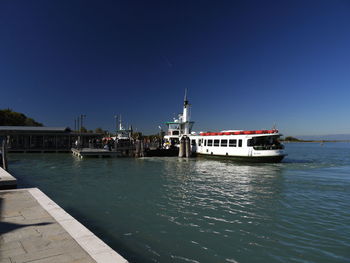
<point>120,122</point>
<point>185,99</point>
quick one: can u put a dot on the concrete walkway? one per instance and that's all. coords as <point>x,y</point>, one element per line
<point>35,229</point>
<point>7,181</point>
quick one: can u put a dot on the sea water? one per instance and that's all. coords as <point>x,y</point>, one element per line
<point>206,210</point>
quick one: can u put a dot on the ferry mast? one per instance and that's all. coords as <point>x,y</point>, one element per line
<point>182,126</point>
<point>187,125</point>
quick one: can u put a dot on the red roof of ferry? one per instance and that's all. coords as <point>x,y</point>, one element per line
<point>239,132</point>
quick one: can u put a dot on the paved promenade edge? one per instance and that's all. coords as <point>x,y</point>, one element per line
<point>7,180</point>
<point>94,246</point>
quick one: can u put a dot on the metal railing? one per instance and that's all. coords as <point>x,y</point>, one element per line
<point>268,147</point>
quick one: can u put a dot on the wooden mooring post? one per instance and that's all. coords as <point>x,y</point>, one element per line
<point>185,147</point>
<point>182,147</point>
<point>142,149</point>
<point>188,147</point>
<point>138,148</point>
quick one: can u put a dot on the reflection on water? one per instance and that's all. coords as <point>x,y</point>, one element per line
<point>212,198</point>
<point>206,210</point>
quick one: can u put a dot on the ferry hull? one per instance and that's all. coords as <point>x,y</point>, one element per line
<point>248,159</point>
<point>162,152</point>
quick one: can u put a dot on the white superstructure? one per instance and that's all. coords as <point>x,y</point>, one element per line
<point>259,145</point>
<point>179,127</point>
<point>121,132</point>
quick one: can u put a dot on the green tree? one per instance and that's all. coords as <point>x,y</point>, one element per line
<point>9,117</point>
<point>99,130</point>
<point>137,135</point>
<point>291,139</point>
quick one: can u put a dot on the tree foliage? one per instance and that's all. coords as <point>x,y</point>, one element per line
<point>99,130</point>
<point>9,117</point>
<point>137,135</point>
<point>291,139</point>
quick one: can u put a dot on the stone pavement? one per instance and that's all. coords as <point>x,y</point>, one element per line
<point>35,229</point>
<point>7,181</point>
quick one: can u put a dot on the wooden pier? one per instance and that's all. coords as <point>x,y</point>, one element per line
<point>90,152</point>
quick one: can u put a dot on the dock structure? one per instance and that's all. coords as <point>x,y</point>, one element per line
<point>7,181</point>
<point>91,152</point>
<point>27,139</point>
<point>35,229</point>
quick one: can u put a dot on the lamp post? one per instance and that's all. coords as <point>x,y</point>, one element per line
<point>78,124</point>
<point>160,137</point>
<point>82,116</point>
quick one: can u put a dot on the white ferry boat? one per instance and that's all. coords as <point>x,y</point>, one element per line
<point>253,146</point>
<point>256,146</point>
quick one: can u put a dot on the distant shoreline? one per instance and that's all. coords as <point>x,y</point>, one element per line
<point>315,141</point>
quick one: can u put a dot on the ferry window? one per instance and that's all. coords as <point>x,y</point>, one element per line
<point>216,143</point>
<point>239,143</point>
<point>223,143</point>
<point>193,142</point>
<point>210,142</point>
<point>175,132</point>
<point>205,142</point>
<point>174,126</point>
<point>232,143</point>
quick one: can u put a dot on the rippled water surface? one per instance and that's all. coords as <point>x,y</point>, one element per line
<point>206,210</point>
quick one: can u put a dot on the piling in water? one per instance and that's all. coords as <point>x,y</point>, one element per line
<point>131,152</point>
<point>137,148</point>
<point>188,147</point>
<point>142,149</point>
<point>116,145</point>
<point>182,147</point>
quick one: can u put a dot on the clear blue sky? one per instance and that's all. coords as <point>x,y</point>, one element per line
<point>247,64</point>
